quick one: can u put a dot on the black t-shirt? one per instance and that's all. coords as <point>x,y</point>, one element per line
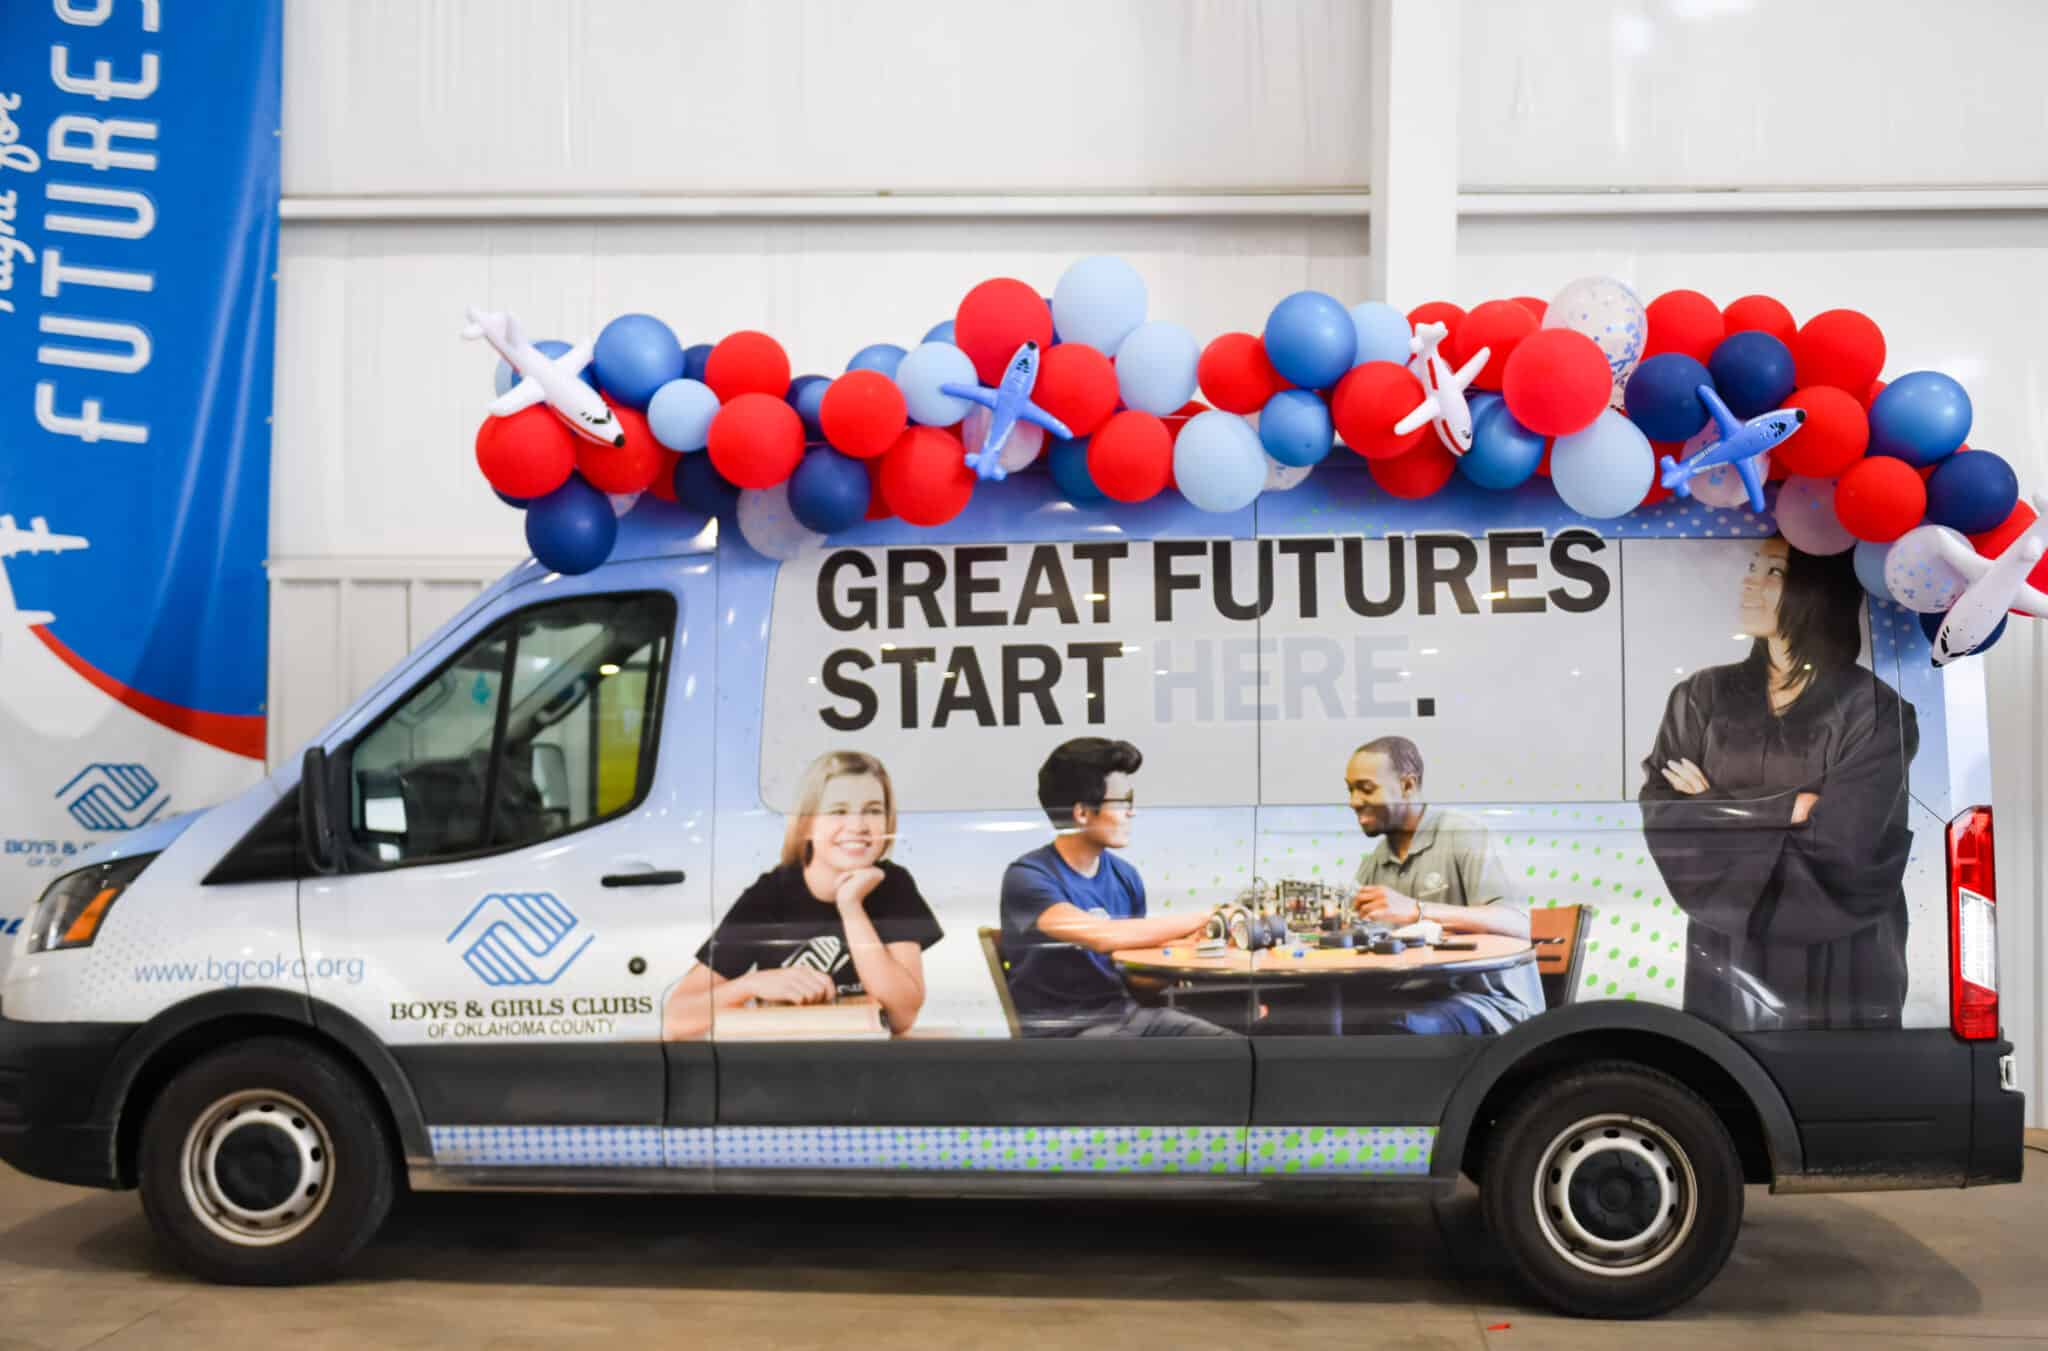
<point>777,922</point>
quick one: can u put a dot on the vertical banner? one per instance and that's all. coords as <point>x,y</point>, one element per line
<point>139,186</point>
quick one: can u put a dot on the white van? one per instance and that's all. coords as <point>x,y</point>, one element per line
<point>1335,844</point>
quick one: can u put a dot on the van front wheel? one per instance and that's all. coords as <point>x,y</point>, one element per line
<point>265,1164</point>
<point>1616,1191</point>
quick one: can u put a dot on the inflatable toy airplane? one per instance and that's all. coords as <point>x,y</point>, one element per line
<point>1742,444</point>
<point>1996,586</point>
<point>1443,403</point>
<point>554,380</point>
<point>1006,405</point>
<point>37,539</point>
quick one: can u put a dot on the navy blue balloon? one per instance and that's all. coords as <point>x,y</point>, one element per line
<point>942,332</point>
<point>878,356</point>
<point>694,359</point>
<point>1504,453</point>
<point>1055,323</point>
<point>1295,428</point>
<point>572,529</point>
<point>520,502</point>
<point>1068,462</point>
<point>1311,340</point>
<point>635,355</point>
<point>700,487</point>
<point>829,491</point>
<point>1662,397</point>
<point>1931,626</point>
<point>807,395</point>
<point>1753,374</point>
<point>1972,493</point>
<point>1919,418</point>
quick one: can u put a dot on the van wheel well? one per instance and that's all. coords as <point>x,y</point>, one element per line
<point>165,1063</point>
<point>1692,1068</point>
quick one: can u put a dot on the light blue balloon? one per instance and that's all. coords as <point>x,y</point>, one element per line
<point>1295,428</point>
<point>919,376</point>
<point>680,414</point>
<point>940,332</point>
<point>1603,471</point>
<point>1383,333</point>
<point>1099,301</point>
<point>878,356</point>
<point>1218,462</point>
<point>1155,368</point>
<point>1504,453</point>
<point>1870,559</point>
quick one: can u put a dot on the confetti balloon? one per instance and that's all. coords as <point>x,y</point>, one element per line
<point>1611,315</point>
<point>1722,485</point>
<point>770,528</point>
<point>1917,572</point>
<point>1806,516</point>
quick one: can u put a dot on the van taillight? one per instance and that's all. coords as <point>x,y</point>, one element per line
<point>1972,927</point>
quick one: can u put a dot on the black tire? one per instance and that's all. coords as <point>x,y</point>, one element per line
<point>273,1128</point>
<point>1640,1187</point>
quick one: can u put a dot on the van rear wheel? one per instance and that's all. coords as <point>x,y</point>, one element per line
<point>1615,1190</point>
<point>266,1163</point>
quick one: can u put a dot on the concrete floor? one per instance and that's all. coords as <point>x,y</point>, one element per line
<point>1888,1272</point>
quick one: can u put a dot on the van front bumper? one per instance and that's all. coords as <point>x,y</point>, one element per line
<point>50,1078</point>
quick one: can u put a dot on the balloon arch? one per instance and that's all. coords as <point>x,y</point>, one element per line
<point>1617,403</point>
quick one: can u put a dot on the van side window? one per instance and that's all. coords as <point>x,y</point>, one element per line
<point>543,725</point>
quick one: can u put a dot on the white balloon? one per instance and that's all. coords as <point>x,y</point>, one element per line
<point>1609,313</point>
<point>770,528</point>
<point>1720,486</point>
<point>1019,449</point>
<point>1806,516</point>
<point>623,502</point>
<point>1917,571</point>
<point>1280,477</point>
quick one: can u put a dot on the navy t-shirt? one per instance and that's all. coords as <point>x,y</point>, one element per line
<point>1059,986</point>
<point>777,922</point>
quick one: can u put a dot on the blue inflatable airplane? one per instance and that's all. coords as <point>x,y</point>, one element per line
<point>1007,405</point>
<point>1741,444</point>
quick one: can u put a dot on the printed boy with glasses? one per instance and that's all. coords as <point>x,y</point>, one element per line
<point>1069,904</point>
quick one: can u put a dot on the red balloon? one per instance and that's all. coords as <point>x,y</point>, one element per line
<point>756,440</point>
<point>1880,499</point>
<point>747,363</point>
<point>862,413</point>
<point>925,477</point>
<point>1658,492</point>
<point>1500,326</point>
<point>1833,437</point>
<point>1236,375</point>
<point>878,505</point>
<point>1417,474</point>
<point>1842,348</point>
<point>1760,314</point>
<point>1181,416</point>
<point>1369,400</point>
<point>1539,308</point>
<point>1870,395</point>
<point>622,469</point>
<point>1683,321</point>
<point>997,318</point>
<point>527,454</point>
<point>664,484</point>
<point>1438,312</point>
<point>1077,385</point>
<point>1557,382</point>
<point>1131,457</point>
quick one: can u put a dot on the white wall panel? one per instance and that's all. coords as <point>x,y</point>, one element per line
<point>378,399</point>
<point>1958,292</point>
<point>471,96</point>
<point>1604,94</point>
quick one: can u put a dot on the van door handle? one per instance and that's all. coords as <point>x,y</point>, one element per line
<point>667,878</point>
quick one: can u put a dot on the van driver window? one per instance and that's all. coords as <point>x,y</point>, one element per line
<point>543,725</point>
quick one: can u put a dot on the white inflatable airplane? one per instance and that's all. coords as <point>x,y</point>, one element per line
<point>1996,586</point>
<point>554,380</point>
<point>1443,403</point>
<point>37,539</point>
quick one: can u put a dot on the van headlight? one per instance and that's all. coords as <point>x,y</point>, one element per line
<point>71,911</point>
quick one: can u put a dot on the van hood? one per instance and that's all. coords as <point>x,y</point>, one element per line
<point>153,838</point>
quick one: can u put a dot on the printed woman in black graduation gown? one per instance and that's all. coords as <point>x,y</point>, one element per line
<point>834,918</point>
<point>1775,805</point>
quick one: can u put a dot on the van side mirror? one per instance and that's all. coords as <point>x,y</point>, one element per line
<point>316,814</point>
